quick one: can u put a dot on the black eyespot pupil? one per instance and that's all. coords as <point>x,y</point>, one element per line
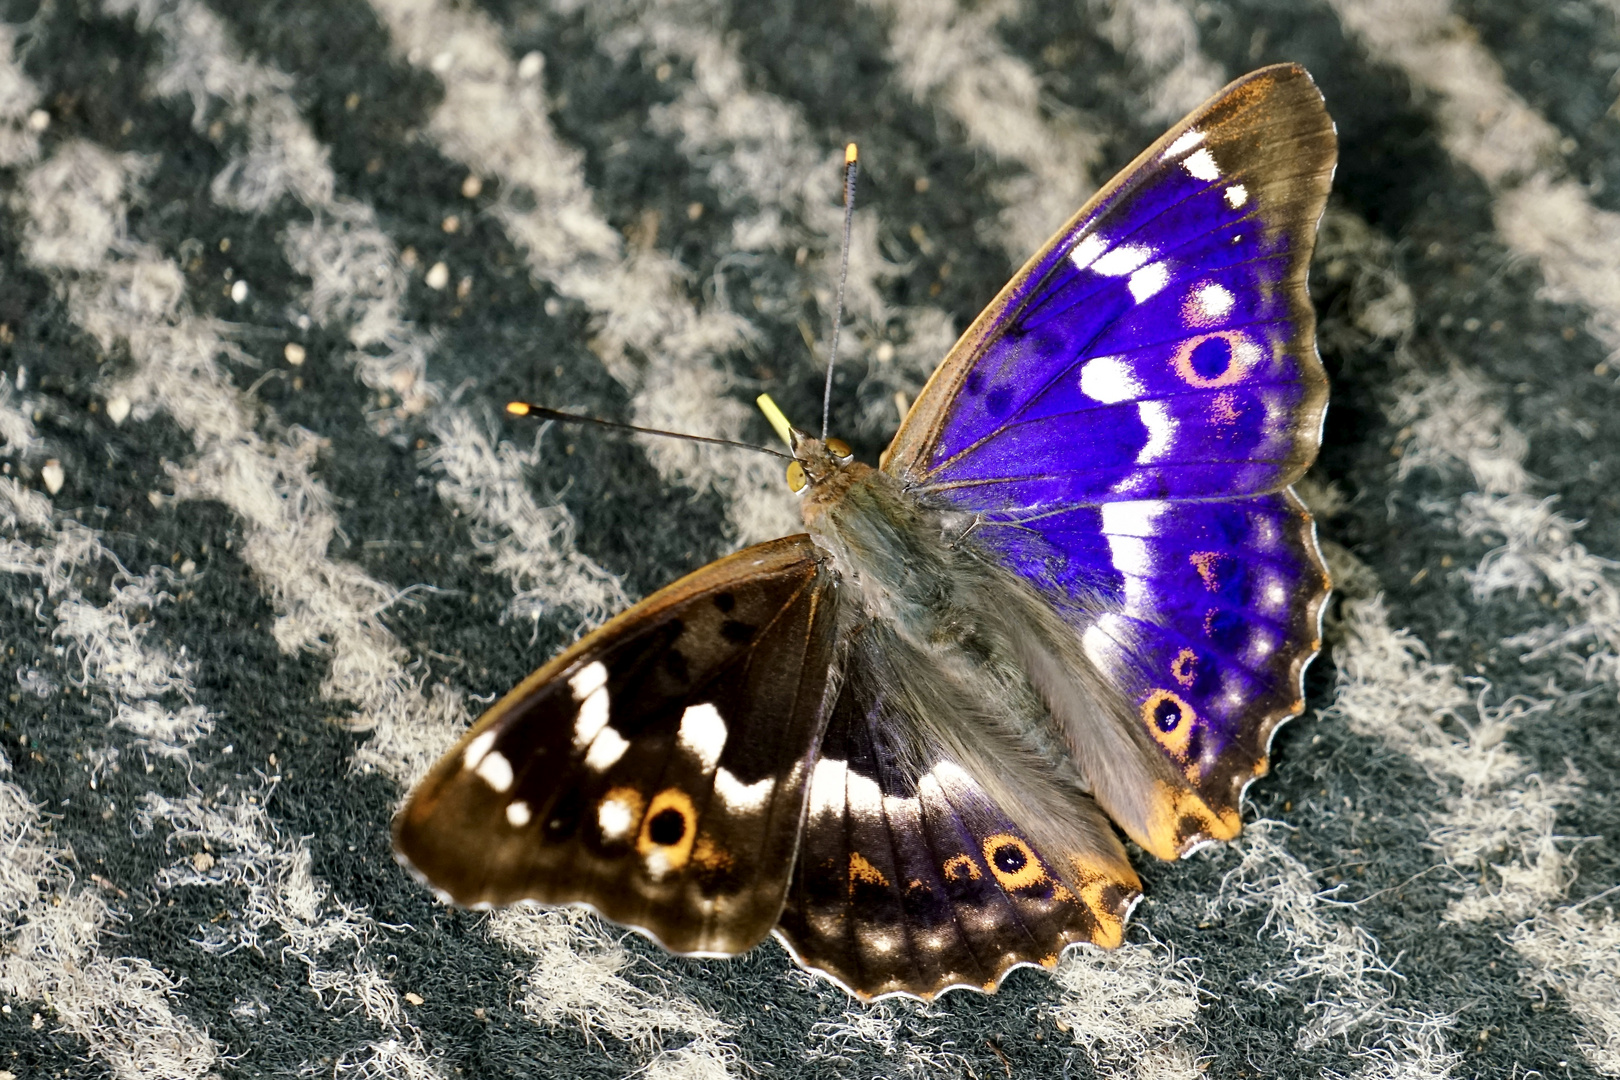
<point>667,827</point>
<point>1010,858</point>
<point>1212,357</point>
<point>1167,714</point>
<point>725,601</point>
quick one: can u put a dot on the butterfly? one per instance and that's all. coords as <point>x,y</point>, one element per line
<point>1078,595</point>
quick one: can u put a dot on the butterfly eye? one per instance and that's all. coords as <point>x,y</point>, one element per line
<point>796,478</point>
<point>839,449</point>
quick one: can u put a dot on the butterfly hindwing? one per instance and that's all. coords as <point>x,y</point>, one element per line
<point>1215,609</point>
<point>911,878</point>
<point>657,770</point>
<point>1221,603</point>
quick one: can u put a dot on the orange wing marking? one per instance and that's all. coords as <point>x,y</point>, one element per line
<point>668,830</point>
<point>1204,562</point>
<point>1243,355</point>
<point>1184,668</point>
<point>1169,719</point>
<point>863,871</point>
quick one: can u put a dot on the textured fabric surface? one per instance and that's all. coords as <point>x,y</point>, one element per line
<point>269,270</point>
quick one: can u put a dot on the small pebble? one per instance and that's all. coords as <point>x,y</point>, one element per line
<point>438,276</point>
<point>294,353</point>
<point>53,476</point>
<point>415,999</point>
<point>471,187</point>
<point>202,862</point>
<point>451,224</point>
<point>118,409</point>
<point>39,120</point>
<point>239,291</point>
<point>530,66</point>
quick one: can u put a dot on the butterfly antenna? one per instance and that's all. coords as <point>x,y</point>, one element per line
<point>540,412</point>
<point>850,167</point>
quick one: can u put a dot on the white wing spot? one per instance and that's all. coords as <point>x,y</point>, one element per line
<point>658,863</point>
<point>1109,379</point>
<point>1130,555</point>
<point>1261,646</point>
<point>477,749</point>
<point>1236,196</point>
<point>496,771</point>
<point>1102,648</point>
<point>1202,165</point>
<point>517,812</point>
<point>740,797</point>
<point>703,734</point>
<point>615,818</point>
<point>1209,303</point>
<point>902,809</point>
<point>588,680</point>
<point>865,797</point>
<point>1122,260</point>
<point>1140,599</point>
<point>1132,518</point>
<point>1161,429</point>
<point>606,750</point>
<point>1266,533</point>
<point>1148,280</point>
<point>592,718</point>
<point>1087,250</point>
<point>949,777</point>
<point>827,788</point>
<point>1186,142</point>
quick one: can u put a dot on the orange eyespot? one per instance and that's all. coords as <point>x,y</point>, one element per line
<point>796,477</point>
<point>839,449</point>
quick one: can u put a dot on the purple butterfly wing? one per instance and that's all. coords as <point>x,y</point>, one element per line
<point>1125,419</point>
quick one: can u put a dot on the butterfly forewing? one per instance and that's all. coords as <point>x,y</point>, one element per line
<point>1162,344</point>
<point>655,771</point>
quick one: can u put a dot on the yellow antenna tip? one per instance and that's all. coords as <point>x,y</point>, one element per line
<point>518,408</point>
<point>849,154</point>
<point>779,421</point>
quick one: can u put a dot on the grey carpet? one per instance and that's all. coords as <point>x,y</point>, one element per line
<point>269,270</point>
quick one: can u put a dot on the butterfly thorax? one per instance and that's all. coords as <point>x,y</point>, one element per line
<point>956,632</point>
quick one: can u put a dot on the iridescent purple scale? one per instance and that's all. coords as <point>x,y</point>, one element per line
<point>1217,615</point>
<point>1124,377</point>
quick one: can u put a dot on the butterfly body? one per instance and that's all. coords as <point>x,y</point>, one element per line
<point>1077,594</point>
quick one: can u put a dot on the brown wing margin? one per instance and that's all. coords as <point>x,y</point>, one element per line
<point>653,772</point>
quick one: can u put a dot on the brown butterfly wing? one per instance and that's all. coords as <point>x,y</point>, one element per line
<point>656,771</point>
<point>913,878</point>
